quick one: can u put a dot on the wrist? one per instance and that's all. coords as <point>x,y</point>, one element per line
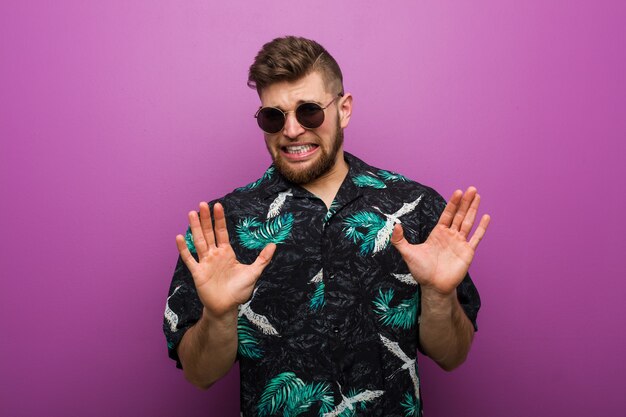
<point>227,316</point>
<point>437,296</point>
<point>438,303</point>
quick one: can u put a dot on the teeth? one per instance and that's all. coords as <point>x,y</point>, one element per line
<point>299,148</point>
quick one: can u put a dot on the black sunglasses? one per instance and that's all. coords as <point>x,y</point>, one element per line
<point>309,115</point>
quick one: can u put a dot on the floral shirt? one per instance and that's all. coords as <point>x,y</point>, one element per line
<point>332,326</point>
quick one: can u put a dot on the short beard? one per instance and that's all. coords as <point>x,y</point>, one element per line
<point>325,163</point>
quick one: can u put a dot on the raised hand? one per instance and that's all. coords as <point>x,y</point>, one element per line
<point>221,280</point>
<point>441,262</point>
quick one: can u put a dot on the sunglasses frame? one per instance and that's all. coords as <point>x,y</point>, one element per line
<point>322,108</point>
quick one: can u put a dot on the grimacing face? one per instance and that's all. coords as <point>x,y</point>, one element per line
<point>304,155</point>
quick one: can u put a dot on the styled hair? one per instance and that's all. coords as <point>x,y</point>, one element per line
<point>291,58</point>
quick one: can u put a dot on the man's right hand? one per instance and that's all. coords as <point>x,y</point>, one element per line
<point>222,282</point>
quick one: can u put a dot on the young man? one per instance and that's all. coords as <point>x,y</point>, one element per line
<point>306,277</point>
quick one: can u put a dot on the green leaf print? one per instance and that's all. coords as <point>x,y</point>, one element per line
<point>331,211</point>
<point>364,181</point>
<point>403,315</point>
<point>362,228</point>
<point>277,392</point>
<point>254,234</point>
<point>411,405</point>
<point>391,176</point>
<point>189,241</point>
<point>302,399</point>
<point>248,345</point>
<point>318,301</point>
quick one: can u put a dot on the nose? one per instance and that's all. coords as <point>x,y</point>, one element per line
<point>292,128</point>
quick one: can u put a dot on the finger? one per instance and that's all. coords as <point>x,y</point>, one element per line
<point>185,255</point>
<point>207,224</point>
<point>221,232</point>
<point>196,232</point>
<point>470,217</point>
<point>466,201</point>
<point>448,213</point>
<point>398,240</point>
<point>264,258</point>
<point>480,231</point>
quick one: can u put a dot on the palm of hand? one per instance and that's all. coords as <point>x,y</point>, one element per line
<point>222,282</point>
<point>442,261</point>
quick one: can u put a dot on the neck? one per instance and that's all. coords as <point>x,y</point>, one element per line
<point>326,186</point>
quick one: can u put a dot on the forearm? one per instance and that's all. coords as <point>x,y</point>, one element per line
<point>445,331</point>
<point>208,350</point>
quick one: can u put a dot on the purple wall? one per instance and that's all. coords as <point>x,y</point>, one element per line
<point>118,117</point>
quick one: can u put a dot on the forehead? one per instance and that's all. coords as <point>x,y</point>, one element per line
<point>287,94</point>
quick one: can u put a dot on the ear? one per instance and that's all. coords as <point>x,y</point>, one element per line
<point>344,105</point>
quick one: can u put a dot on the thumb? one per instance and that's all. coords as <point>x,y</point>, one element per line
<point>398,240</point>
<point>264,257</point>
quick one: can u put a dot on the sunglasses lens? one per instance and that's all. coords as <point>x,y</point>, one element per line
<point>310,115</point>
<point>270,120</point>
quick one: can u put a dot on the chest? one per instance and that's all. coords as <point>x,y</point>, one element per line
<point>335,262</point>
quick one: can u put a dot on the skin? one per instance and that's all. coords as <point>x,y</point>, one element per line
<point>208,349</point>
<point>439,265</point>
<point>286,96</point>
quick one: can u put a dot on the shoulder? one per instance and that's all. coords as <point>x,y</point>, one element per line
<point>393,184</point>
<point>394,195</point>
<point>247,199</point>
<point>258,184</point>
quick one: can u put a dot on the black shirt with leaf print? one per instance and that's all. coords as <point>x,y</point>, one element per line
<point>332,326</point>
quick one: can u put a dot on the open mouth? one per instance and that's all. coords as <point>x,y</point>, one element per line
<point>299,149</point>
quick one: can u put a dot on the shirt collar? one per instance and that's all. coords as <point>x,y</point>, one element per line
<point>348,191</point>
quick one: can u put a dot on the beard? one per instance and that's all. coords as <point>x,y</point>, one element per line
<point>324,163</point>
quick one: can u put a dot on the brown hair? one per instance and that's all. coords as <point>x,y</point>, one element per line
<point>291,58</point>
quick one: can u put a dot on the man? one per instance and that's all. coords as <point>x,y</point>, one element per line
<point>306,277</point>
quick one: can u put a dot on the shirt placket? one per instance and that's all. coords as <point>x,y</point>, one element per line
<point>333,256</point>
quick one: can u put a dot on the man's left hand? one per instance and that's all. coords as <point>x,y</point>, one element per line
<point>441,262</point>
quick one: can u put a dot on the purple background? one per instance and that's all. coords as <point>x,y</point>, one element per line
<point>117,117</point>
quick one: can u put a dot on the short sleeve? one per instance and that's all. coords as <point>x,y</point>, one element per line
<point>469,299</point>
<point>466,291</point>
<point>183,309</point>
